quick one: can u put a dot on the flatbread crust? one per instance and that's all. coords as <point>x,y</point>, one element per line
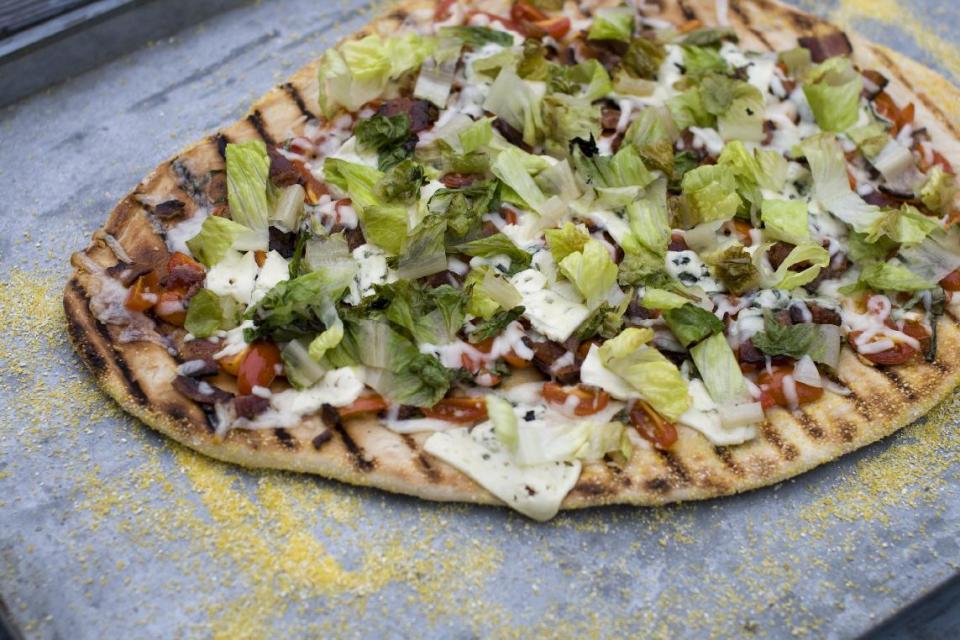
<point>138,375</point>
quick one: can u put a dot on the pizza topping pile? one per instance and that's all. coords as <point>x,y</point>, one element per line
<point>551,238</point>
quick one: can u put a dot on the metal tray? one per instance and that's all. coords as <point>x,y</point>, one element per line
<point>108,530</point>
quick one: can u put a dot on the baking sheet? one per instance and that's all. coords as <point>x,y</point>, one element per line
<point>108,530</point>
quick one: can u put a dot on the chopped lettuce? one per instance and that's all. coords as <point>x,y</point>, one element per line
<point>567,239</point>
<point>425,252</point>
<point>833,91</point>
<point>386,226</point>
<point>248,183</point>
<point>389,136</point>
<point>300,370</point>
<point>510,168</point>
<point>710,192</point>
<point>643,58</point>
<point>518,102</point>
<point>504,420</point>
<point>495,325</point>
<point>296,308</point>
<point>431,315</point>
<point>479,304</point>
<point>591,271</point>
<point>623,169</point>
<point>736,269</point>
<point>331,336</point>
<point>761,169</point>
<point>888,276</point>
<point>566,117</point>
<point>612,23</point>
<point>700,61</point>
<point>437,73</point>
<point>497,245</point>
<point>831,187</point>
<point>218,235</point>
<point>687,110</point>
<point>477,136</point>
<point>649,219</point>
<point>691,324</point>
<point>785,220</point>
<point>813,254</point>
<point>477,36</point>
<point>938,190</point>
<point>776,339</point>
<point>720,370</point>
<point>356,180</point>
<point>906,225</point>
<point>204,314</point>
<point>464,207</point>
<point>870,138</point>
<point>400,183</point>
<point>646,370</point>
<point>743,119</point>
<point>662,299</point>
<point>653,135</point>
<point>358,71</point>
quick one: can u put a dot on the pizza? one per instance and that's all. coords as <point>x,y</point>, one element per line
<point>547,255</point>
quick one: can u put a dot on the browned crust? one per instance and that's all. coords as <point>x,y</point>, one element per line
<point>138,375</point>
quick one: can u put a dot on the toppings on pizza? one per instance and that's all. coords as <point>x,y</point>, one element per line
<point>552,237</point>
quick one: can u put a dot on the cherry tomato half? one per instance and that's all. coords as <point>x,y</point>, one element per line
<point>259,367</point>
<point>771,384</point>
<point>365,404</point>
<point>652,426</point>
<point>590,400</point>
<point>144,293</point>
<point>460,409</point>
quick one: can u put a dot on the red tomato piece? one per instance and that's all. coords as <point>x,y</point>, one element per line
<point>460,409</point>
<point>259,367</point>
<point>590,400</point>
<point>652,426</point>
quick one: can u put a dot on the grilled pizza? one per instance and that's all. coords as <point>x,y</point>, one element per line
<point>546,254</point>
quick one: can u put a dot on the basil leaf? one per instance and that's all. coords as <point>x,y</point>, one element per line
<point>776,339</point>
<point>691,324</point>
<point>389,136</point>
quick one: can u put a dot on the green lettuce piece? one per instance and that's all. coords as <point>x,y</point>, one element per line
<point>386,226</point>
<point>644,268</point>
<point>700,61</point>
<point>477,136</point>
<point>938,190</point>
<point>645,369</point>
<point>326,251</point>
<point>862,252</point>
<point>395,367</point>
<point>662,299</point>
<point>296,308</point>
<point>582,439</point>
<point>356,180</point>
<point>743,119</point>
<point>588,80</point>
<point>388,136</point>
<point>464,207</point>
<point>623,169</point>
<point>870,138</point>
<point>559,180</point>
<point>793,341</point>
<point>711,194</point>
<point>906,225</point>
<point>831,187</point>
<point>710,37</point>
<point>509,168</point>
<point>518,103</point>
<point>494,326</point>
<point>204,314</point>
<point>533,63</point>
<point>736,269</point>
<point>652,134</point>
<point>643,58</point>
<point>248,182</point>
<point>717,93</point>
<point>817,256</point>
<point>496,245</point>
<point>691,324</point>
<point>479,304</point>
<point>504,420</point>
<point>568,239</point>
<point>477,36</point>
<point>591,271</point>
<point>612,23</point>
<point>358,71</point>
<point>606,320</point>
<point>218,235</point>
<point>401,182</point>
<point>785,220</point>
<point>649,218</point>
<point>329,337</point>
<point>720,370</point>
<point>566,118</point>
<point>887,276</point>
<point>833,91</point>
<point>754,171</point>
<point>431,315</point>
<point>683,161</point>
<point>425,252</point>
<point>687,110</point>
<point>300,370</point>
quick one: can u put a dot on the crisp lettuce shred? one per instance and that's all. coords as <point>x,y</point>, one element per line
<point>647,371</point>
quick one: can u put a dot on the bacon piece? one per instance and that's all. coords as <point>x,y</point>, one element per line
<point>609,117</point>
<point>354,236</point>
<point>196,349</point>
<point>283,172</point>
<point>512,135</point>
<point>828,45</point>
<point>250,406</point>
<point>169,209</point>
<point>199,368</point>
<point>422,113</point>
<point>546,353</point>
<point>200,391</point>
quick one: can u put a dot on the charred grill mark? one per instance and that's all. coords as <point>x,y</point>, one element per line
<point>332,419</point>
<point>786,449</point>
<point>860,405</point>
<point>221,141</point>
<point>687,11</point>
<point>809,425</point>
<point>256,119</point>
<point>94,360</point>
<point>801,21</point>
<point>621,477</point>
<point>659,485</point>
<point>399,14</point>
<point>922,97</point>
<point>676,466</point>
<point>592,488</point>
<point>941,366</point>
<point>294,94</point>
<point>188,183</point>
<point>745,19</point>
<point>285,438</point>
<point>421,460</point>
<point>727,458</point>
<point>847,430</point>
<point>898,382</point>
<point>409,441</point>
<point>322,439</point>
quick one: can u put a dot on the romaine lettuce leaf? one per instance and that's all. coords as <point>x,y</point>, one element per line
<point>504,420</point>
<point>691,324</point>
<point>833,91</point>
<point>646,370</point>
<point>591,271</point>
<point>248,182</point>
<point>720,370</point>
<point>887,276</point>
<point>510,168</point>
<point>649,219</point>
<point>710,192</point>
<point>566,240</point>
<point>218,235</point>
<point>785,220</point>
<point>906,225</point>
<point>496,245</point>
<point>518,102</point>
<point>784,278</point>
<point>612,23</point>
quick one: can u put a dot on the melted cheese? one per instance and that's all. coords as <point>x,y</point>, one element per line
<point>234,276</point>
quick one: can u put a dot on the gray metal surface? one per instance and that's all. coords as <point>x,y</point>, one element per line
<point>107,530</point>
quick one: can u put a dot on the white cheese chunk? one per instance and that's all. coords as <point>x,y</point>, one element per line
<point>338,387</point>
<point>704,416</point>
<point>535,491</point>
<point>235,276</point>
<point>275,270</point>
